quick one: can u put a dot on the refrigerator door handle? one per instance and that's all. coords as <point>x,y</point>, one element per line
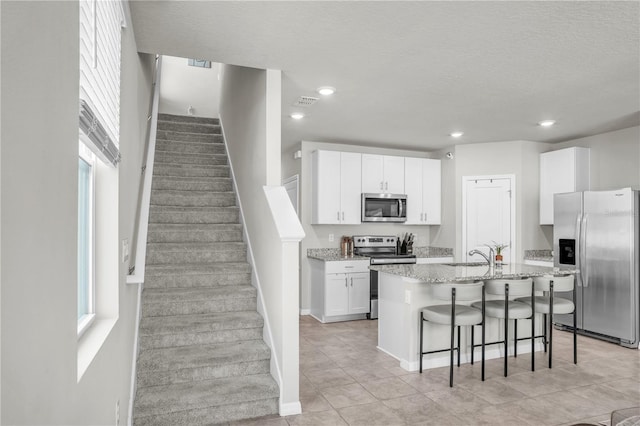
<point>583,253</point>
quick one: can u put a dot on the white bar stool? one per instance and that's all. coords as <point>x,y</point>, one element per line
<point>455,315</point>
<point>507,309</point>
<point>549,305</point>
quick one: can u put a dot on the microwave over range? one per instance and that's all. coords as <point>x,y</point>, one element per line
<point>384,208</point>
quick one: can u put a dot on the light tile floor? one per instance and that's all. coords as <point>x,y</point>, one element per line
<point>345,380</point>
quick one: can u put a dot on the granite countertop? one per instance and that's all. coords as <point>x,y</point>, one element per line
<point>331,255</point>
<point>539,255</point>
<point>437,273</point>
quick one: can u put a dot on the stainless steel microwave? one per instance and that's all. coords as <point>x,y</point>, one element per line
<point>384,208</point>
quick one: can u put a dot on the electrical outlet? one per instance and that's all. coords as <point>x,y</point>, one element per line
<point>125,250</point>
<point>330,238</point>
<point>117,412</point>
<point>407,297</point>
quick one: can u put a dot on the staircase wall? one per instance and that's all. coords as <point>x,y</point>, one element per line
<point>250,113</point>
<point>39,222</point>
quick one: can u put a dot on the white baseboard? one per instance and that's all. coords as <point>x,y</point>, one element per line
<point>305,311</point>
<point>290,408</point>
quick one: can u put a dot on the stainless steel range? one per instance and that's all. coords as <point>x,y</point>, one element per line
<point>383,250</point>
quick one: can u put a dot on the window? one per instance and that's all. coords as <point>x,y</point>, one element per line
<point>86,238</point>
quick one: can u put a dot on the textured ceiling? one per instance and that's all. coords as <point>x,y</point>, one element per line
<point>409,73</point>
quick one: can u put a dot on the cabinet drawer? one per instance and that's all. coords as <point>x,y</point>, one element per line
<point>346,266</point>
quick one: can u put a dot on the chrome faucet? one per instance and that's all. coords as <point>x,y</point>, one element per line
<point>491,259</point>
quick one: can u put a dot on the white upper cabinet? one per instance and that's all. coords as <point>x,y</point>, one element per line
<point>422,181</point>
<point>382,174</point>
<point>564,170</point>
<point>336,187</point>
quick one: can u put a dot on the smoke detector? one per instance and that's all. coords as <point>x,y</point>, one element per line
<point>305,101</point>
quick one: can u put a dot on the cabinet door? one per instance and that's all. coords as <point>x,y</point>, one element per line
<point>413,188</point>
<point>372,173</point>
<point>393,174</point>
<point>326,184</point>
<point>557,175</point>
<point>350,188</point>
<point>431,192</point>
<point>359,293</point>
<point>336,295</point>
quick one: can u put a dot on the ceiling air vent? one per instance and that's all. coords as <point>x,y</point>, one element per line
<point>305,101</point>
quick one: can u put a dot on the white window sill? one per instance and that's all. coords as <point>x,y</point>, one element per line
<point>91,341</point>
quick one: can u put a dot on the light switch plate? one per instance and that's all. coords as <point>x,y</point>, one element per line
<point>125,250</point>
<point>330,238</point>
<point>407,297</point>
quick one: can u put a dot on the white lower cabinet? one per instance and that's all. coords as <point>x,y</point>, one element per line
<point>339,290</point>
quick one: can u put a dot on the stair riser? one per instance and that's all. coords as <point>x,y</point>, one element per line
<point>180,258</point>
<point>188,339</point>
<point>194,237</point>
<point>211,415</point>
<point>189,171</point>
<point>197,306</point>
<point>155,378</point>
<point>175,126</point>
<point>186,199</point>
<point>188,119</point>
<point>190,148</point>
<point>219,185</point>
<point>231,216</point>
<point>203,160</point>
<point>187,281</point>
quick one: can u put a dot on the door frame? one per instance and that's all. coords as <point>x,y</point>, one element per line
<point>512,181</point>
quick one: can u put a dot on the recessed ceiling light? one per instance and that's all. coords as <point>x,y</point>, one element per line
<point>546,123</point>
<point>456,134</point>
<point>326,90</point>
<point>297,115</point>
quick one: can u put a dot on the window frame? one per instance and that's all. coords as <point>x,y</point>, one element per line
<point>85,322</point>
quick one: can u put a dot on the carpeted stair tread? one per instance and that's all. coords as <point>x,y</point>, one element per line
<point>192,183</point>
<point>198,269</point>
<point>187,147</point>
<point>190,170</point>
<point>189,136</point>
<point>193,215</point>
<point>154,295</point>
<point>194,246</point>
<point>203,233</point>
<point>171,197</point>
<point>179,126</point>
<point>172,157</point>
<point>218,321</point>
<point>188,118</point>
<point>253,396</point>
<point>195,253</point>
<point>176,358</point>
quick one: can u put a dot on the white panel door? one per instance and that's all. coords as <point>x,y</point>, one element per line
<point>413,186</point>
<point>393,174</point>
<point>488,217</point>
<point>372,173</point>
<point>350,188</point>
<point>359,293</point>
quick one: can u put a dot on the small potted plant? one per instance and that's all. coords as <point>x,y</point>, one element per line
<point>498,248</point>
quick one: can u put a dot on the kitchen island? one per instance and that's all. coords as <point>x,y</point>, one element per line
<point>405,289</point>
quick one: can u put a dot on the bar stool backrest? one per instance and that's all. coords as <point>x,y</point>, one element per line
<point>560,282</point>
<point>517,286</point>
<point>468,290</point>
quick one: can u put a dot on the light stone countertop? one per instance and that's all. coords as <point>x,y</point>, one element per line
<point>331,255</point>
<point>438,273</point>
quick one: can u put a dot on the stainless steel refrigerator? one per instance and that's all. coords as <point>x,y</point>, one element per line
<point>597,232</point>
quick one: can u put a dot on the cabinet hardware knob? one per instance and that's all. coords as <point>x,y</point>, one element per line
<point>343,216</point>
<point>381,185</point>
<point>386,186</point>
<point>338,216</point>
<point>421,214</point>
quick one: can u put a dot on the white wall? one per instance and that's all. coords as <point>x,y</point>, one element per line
<point>39,136</point>
<point>317,236</point>
<point>614,158</point>
<point>182,85</point>
<point>250,114</point>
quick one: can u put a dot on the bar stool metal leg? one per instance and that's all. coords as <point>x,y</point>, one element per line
<point>421,338</point>
<point>544,334</point>
<point>533,329</point>
<point>453,329</point>
<point>550,321</point>
<point>515,338</point>
<point>483,333</point>
<point>473,327</point>
<point>458,346</point>
<point>506,327</point>
<point>575,326</point>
